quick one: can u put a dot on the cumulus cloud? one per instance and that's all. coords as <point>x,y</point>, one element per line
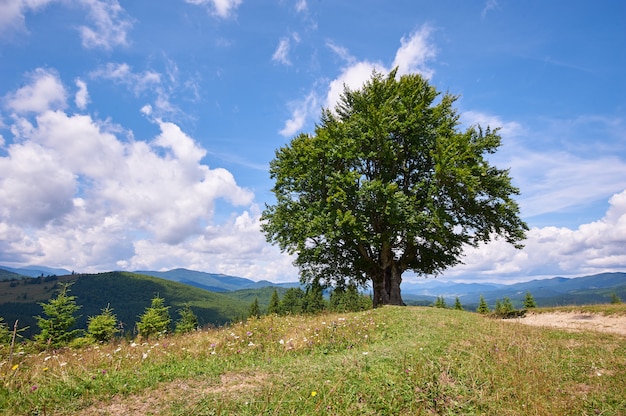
<point>594,247</point>
<point>415,52</point>
<point>219,8</point>
<point>76,194</point>
<point>44,92</point>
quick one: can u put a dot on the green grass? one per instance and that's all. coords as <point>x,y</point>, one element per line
<point>392,360</point>
<point>607,309</point>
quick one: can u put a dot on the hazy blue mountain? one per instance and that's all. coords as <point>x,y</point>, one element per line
<point>212,281</point>
<point>36,271</point>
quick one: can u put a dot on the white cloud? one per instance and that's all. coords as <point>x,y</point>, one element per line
<point>414,53</point>
<point>44,92</point>
<point>508,129</point>
<point>122,73</point>
<point>281,54</point>
<point>220,8</point>
<point>76,195</point>
<point>236,247</point>
<point>12,13</point>
<point>300,112</point>
<point>82,95</point>
<point>412,56</point>
<point>353,77</point>
<point>110,25</point>
<point>595,247</point>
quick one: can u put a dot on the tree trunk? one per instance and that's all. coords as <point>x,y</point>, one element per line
<point>395,298</point>
<point>386,281</point>
<point>381,296</point>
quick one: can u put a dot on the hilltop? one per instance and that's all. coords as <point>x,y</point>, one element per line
<point>392,360</point>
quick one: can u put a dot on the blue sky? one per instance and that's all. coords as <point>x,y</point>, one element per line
<point>138,134</point>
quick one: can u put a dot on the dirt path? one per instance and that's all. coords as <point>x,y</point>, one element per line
<point>577,321</point>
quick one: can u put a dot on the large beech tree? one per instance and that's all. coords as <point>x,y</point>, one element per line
<point>388,183</point>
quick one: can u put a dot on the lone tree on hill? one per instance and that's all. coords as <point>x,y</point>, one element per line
<point>388,184</point>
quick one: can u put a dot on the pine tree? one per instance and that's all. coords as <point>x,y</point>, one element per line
<point>529,301</point>
<point>254,312</point>
<point>483,307</point>
<point>457,304</point>
<point>440,302</point>
<point>274,306</point>
<point>155,320</point>
<point>55,329</point>
<point>103,327</point>
<point>291,302</point>
<point>314,298</point>
<point>188,321</point>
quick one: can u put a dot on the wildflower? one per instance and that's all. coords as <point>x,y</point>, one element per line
<point>249,333</point>
<point>365,353</point>
<point>15,367</point>
<point>313,393</point>
<point>34,388</point>
<point>45,369</point>
<point>281,342</point>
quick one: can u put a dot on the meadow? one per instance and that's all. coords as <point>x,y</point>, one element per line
<point>391,360</point>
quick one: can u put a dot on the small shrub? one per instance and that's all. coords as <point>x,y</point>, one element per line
<point>188,321</point>
<point>483,307</point>
<point>103,327</point>
<point>155,320</point>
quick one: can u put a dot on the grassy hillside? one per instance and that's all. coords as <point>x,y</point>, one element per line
<point>393,360</point>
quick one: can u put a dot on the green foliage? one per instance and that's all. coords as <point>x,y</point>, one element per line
<point>440,302</point>
<point>5,332</point>
<point>60,318</point>
<point>457,304</point>
<point>292,301</point>
<point>254,311</point>
<point>313,298</point>
<point>387,184</point>
<point>274,306</point>
<point>348,299</point>
<point>505,309</point>
<point>529,301</point>
<point>483,307</point>
<point>188,321</point>
<point>103,327</point>
<point>615,299</point>
<point>155,320</point>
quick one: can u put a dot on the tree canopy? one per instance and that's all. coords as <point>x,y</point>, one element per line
<point>388,183</point>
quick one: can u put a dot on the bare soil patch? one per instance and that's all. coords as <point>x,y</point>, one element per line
<point>577,321</point>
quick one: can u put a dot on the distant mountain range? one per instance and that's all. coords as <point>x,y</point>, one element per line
<point>555,291</point>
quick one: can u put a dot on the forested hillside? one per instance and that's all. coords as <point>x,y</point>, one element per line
<point>128,294</point>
